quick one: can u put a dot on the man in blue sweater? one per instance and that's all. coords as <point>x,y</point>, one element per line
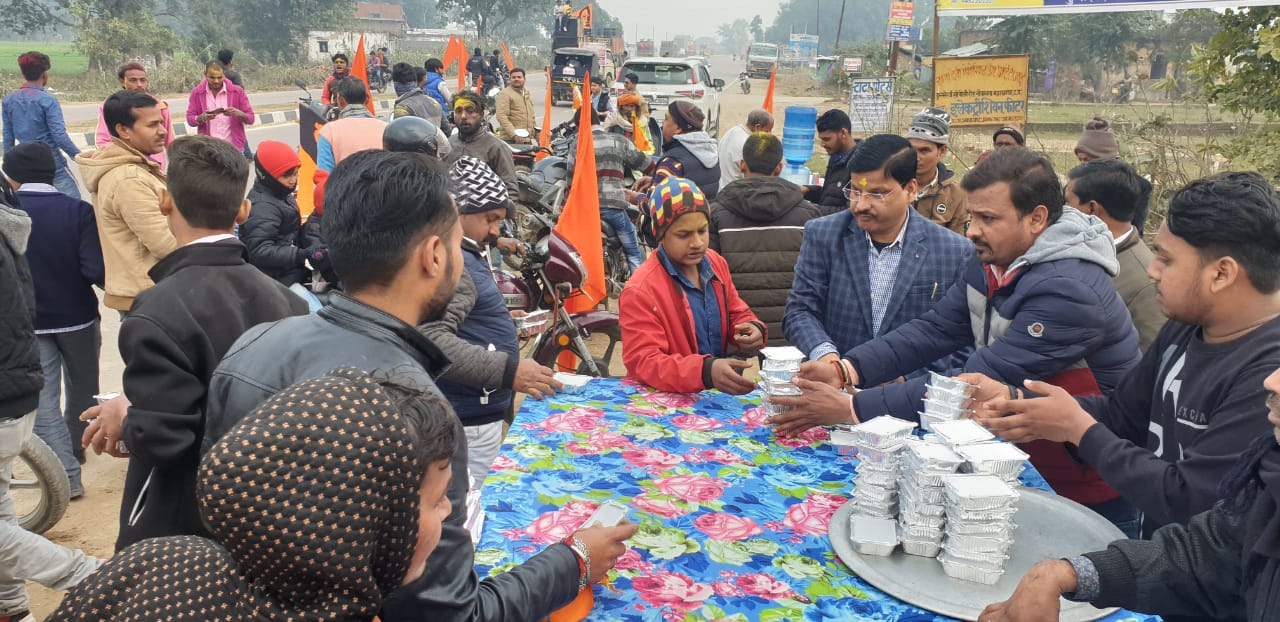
<point>477,332</point>
<point>65,265</point>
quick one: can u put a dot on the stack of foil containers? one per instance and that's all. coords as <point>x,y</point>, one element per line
<point>921,496</point>
<point>979,527</point>
<point>879,443</point>
<point>777,372</point>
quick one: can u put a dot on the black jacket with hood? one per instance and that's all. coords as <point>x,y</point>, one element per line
<point>757,224</point>
<point>272,234</point>
<point>694,156</point>
<point>20,375</point>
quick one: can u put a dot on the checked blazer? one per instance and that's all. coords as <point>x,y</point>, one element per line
<point>830,298</point>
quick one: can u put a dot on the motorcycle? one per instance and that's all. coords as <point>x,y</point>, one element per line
<point>552,272</point>
<point>378,77</point>
<point>744,82</point>
<point>328,113</point>
<point>525,155</point>
<point>39,486</point>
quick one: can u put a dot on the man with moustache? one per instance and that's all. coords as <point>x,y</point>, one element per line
<point>1175,425</point>
<point>395,237</point>
<point>1223,564</point>
<point>877,256</point>
<point>1037,303</point>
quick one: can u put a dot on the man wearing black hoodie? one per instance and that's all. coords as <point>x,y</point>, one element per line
<point>688,151</point>
<point>757,224</point>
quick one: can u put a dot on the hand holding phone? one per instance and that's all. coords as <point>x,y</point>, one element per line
<point>608,514</point>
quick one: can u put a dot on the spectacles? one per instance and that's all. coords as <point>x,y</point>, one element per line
<point>853,194</point>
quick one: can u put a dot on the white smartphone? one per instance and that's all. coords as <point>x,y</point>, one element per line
<point>609,514</point>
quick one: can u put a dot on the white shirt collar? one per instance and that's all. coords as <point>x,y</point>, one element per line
<point>209,239</point>
<point>1121,240</point>
<point>35,187</point>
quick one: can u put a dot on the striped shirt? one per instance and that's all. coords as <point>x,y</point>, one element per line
<point>615,157</point>
<point>882,268</point>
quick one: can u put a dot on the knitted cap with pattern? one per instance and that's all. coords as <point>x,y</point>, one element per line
<point>671,198</point>
<point>476,188</point>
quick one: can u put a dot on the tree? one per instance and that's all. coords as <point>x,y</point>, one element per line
<point>488,16</point>
<point>1097,40</point>
<point>866,23</point>
<point>276,29</point>
<point>32,16</point>
<point>110,31</point>
<point>757,29</point>
<point>734,36</point>
<point>1237,70</point>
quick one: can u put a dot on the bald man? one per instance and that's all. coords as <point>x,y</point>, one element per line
<point>735,138</point>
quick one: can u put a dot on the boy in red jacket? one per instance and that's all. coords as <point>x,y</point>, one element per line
<point>680,313</point>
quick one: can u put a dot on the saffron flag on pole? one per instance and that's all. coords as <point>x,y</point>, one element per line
<point>463,59</point>
<point>580,221</point>
<point>510,63</point>
<point>544,135</point>
<point>768,94</point>
<point>450,54</point>
<point>360,69</point>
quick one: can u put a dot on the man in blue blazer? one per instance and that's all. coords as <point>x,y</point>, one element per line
<point>871,268</point>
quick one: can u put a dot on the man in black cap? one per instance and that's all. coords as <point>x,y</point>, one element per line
<point>65,266</point>
<point>941,199</point>
<point>688,151</point>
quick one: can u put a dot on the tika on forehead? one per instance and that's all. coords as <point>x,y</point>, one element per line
<point>863,182</point>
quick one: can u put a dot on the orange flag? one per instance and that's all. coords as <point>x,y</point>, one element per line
<point>510,63</point>
<point>580,220</point>
<point>768,94</point>
<point>360,69</point>
<point>544,135</point>
<point>463,59</point>
<point>450,54</point>
<point>641,135</point>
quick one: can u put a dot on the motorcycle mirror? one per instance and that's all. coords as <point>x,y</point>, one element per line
<point>522,133</point>
<point>300,84</point>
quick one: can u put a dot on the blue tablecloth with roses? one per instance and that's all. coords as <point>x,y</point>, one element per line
<point>733,521</point>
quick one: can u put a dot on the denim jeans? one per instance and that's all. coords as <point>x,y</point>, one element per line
<point>65,183</point>
<point>1122,514</point>
<point>70,361</point>
<point>626,230</point>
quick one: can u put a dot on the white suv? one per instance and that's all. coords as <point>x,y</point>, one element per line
<point>665,79</point>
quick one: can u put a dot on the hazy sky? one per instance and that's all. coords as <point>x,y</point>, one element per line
<point>663,19</point>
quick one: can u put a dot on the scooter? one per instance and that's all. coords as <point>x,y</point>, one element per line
<point>552,272</point>
<point>378,77</point>
<point>328,113</point>
<point>744,82</point>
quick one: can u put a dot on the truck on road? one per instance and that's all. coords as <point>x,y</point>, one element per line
<point>761,59</point>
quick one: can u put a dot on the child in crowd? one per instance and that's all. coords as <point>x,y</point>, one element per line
<point>272,233</point>
<point>321,519</point>
<point>66,262</point>
<point>681,317</point>
<point>206,295</point>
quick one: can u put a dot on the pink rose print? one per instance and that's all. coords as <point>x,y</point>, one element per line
<point>643,411</point>
<point>755,417</point>
<point>806,438</point>
<point>669,589</point>
<point>811,516</point>
<point>599,442</point>
<point>726,527</point>
<point>553,526</point>
<point>764,586</point>
<point>651,458</point>
<point>695,423</point>
<point>722,456</point>
<point>699,488</point>
<point>726,588</point>
<point>671,400</point>
<point>631,560</point>
<point>660,507</point>
<point>578,419</point>
<point>503,463</point>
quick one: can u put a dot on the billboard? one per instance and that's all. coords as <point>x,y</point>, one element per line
<point>871,105</point>
<point>982,90</point>
<point>957,8</point>
<point>804,46</point>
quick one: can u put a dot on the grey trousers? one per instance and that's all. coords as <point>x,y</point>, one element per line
<point>25,556</point>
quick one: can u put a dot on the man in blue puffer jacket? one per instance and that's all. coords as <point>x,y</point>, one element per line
<point>1038,303</point>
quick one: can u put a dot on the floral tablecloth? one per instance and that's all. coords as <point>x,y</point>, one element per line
<point>733,521</point>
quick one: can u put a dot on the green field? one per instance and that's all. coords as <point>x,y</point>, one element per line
<point>67,61</point>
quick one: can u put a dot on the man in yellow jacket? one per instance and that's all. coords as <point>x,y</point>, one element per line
<point>126,185</point>
<point>515,110</point>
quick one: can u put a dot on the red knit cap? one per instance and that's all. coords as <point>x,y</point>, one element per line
<point>277,158</point>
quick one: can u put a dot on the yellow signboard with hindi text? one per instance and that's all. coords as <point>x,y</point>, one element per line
<point>982,90</point>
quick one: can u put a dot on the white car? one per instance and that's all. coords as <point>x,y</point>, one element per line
<point>665,79</point>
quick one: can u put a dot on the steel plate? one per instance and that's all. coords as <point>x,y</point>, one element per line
<point>1049,527</point>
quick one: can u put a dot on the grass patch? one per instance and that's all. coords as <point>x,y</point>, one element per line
<point>66,60</point>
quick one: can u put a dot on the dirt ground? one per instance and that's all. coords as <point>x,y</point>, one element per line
<point>91,523</point>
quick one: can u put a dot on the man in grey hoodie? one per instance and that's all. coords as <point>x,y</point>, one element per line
<point>757,224</point>
<point>1037,303</point>
<point>689,152</point>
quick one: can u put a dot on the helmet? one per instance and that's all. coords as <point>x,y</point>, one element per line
<point>411,134</point>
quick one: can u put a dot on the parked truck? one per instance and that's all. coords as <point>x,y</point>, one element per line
<point>761,59</point>
<point>668,48</point>
<point>644,48</point>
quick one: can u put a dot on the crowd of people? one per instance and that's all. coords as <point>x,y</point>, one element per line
<point>1144,384</point>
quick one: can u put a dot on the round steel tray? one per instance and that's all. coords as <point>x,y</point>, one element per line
<point>1049,527</point>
